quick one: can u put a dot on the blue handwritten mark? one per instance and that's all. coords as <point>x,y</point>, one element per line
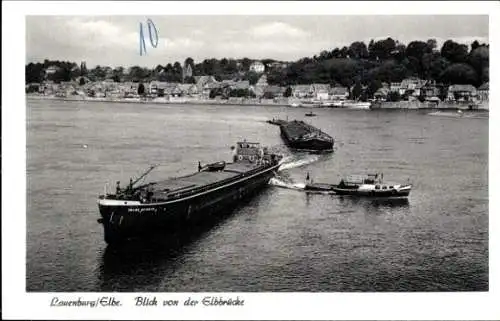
<point>142,42</point>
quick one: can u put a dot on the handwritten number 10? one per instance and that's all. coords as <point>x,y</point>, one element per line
<point>142,42</point>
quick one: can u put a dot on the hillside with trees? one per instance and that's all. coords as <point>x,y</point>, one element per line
<point>358,65</point>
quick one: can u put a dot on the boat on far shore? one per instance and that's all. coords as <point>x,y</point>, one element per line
<point>371,185</point>
<point>455,114</point>
<point>358,105</point>
<point>351,104</point>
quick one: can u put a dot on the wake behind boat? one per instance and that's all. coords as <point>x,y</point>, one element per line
<point>371,185</point>
<point>173,203</point>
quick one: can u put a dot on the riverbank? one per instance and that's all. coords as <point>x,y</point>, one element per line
<point>191,101</point>
<point>482,106</point>
<point>283,102</point>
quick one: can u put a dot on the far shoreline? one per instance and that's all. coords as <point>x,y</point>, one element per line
<point>403,105</point>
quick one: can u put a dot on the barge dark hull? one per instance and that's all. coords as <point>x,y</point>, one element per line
<point>125,222</point>
<point>306,144</point>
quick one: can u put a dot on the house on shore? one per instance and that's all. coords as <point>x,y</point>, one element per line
<point>461,92</point>
<point>51,70</point>
<point>302,91</point>
<point>339,93</point>
<point>34,88</point>
<point>260,86</point>
<point>430,89</point>
<point>395,87</point>
<point>242,84</point>
<point>411,86</point>
<point>273,91</point>
<point>189,90</point>
<point>202,81</point>
<point>381,93</point>
<point>320,91</point>
<point>276,66</point>
<point>156,86</point>
<point>217,86</point>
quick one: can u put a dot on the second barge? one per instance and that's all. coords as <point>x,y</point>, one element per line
<point>300,135</point>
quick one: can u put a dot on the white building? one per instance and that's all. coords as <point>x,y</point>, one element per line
<point>257,66</point>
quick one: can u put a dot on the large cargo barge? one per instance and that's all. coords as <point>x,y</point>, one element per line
<point>300,135</point>
<point>169,205</point>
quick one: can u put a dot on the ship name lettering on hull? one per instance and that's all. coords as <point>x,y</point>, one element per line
<point>140,210</point>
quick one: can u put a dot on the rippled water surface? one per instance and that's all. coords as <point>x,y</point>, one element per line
<point>281,240</point>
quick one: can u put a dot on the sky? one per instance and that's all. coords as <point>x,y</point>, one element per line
<point>115,40</point>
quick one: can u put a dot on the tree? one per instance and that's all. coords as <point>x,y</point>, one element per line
<point>98,72</point>
<point>252,77</point>
<point>245,64</point>
<point>460,74</point>
<point>141,90</point>
<point>399,53</point>
<point>382,49</point>
<point>34,73</point>
<point>474,45</point>
<point>431,45</point>
<point>335,53</point>
<point>344,52</point>
<point>417,49</point>
<point>190,80</point>
<point>373,87</point>
<point>437,67</point>
<point>356,90</point>
<point>158,69</point>
<point>454,52</point>
<point>393,96</point>
<point>479,59</point>
<point>189,61</point>
<point>358,50</point>
<point>137,73</point>
<point>82,81</point>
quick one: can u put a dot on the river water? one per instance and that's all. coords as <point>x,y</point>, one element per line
<point>282,239</point>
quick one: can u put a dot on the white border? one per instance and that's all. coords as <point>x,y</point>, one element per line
<point>18,304</point>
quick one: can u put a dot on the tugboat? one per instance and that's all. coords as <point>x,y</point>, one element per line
<point>302,136</point>
<point>371,185</point>
<point>310,114</point>
<point>170,204</point>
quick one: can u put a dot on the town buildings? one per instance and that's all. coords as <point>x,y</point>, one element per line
<point>207,87</point>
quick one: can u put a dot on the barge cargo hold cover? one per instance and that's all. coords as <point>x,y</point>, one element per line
<point>170,204</point>
<point>300,135</point>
